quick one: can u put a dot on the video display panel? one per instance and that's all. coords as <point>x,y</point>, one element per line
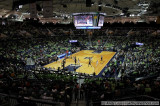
<point>83,20</point>
<point>72,41</point>
<point>101,21</point>
<point>140,44</point>
<point>88,27</point>
<point>95,19</point>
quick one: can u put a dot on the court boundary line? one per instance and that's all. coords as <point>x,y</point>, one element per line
<point>100,74</point>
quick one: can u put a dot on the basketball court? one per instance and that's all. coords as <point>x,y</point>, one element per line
<point>82,64</point>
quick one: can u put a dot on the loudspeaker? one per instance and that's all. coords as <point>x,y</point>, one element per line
<point>99,8</point>
<point>88,3</point>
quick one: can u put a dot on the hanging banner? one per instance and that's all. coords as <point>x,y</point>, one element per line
<point>33,10</point>
<point>48,8</point>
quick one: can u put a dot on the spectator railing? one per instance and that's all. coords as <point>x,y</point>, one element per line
<point>11,100</point>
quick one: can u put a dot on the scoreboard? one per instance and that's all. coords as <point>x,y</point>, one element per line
<point>91,20</point>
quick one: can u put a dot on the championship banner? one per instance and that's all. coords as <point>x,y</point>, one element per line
<point>48,8</point>
<point>33,10</point>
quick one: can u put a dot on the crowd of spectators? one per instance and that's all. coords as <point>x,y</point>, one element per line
<point>120,77</point>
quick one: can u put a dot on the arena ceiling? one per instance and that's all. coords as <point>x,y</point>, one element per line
<point>64,8</point>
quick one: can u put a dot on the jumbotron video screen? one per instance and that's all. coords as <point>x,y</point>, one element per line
<point>101,21</point>
<point>88,20</point>
<point>83,20</point>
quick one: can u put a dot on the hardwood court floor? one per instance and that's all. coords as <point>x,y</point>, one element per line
<point>83,62</point>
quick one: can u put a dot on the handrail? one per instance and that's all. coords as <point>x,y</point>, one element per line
<point>35,100</point>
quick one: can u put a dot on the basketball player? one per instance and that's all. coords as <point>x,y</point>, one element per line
<point>75,60</point>
<point>97,63</point>
<point>78,61</point>
<point>101,58</point>
<point>65,58</point>
<point>89,62</point>
<point>56,58</point>
<point>63,63</point>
